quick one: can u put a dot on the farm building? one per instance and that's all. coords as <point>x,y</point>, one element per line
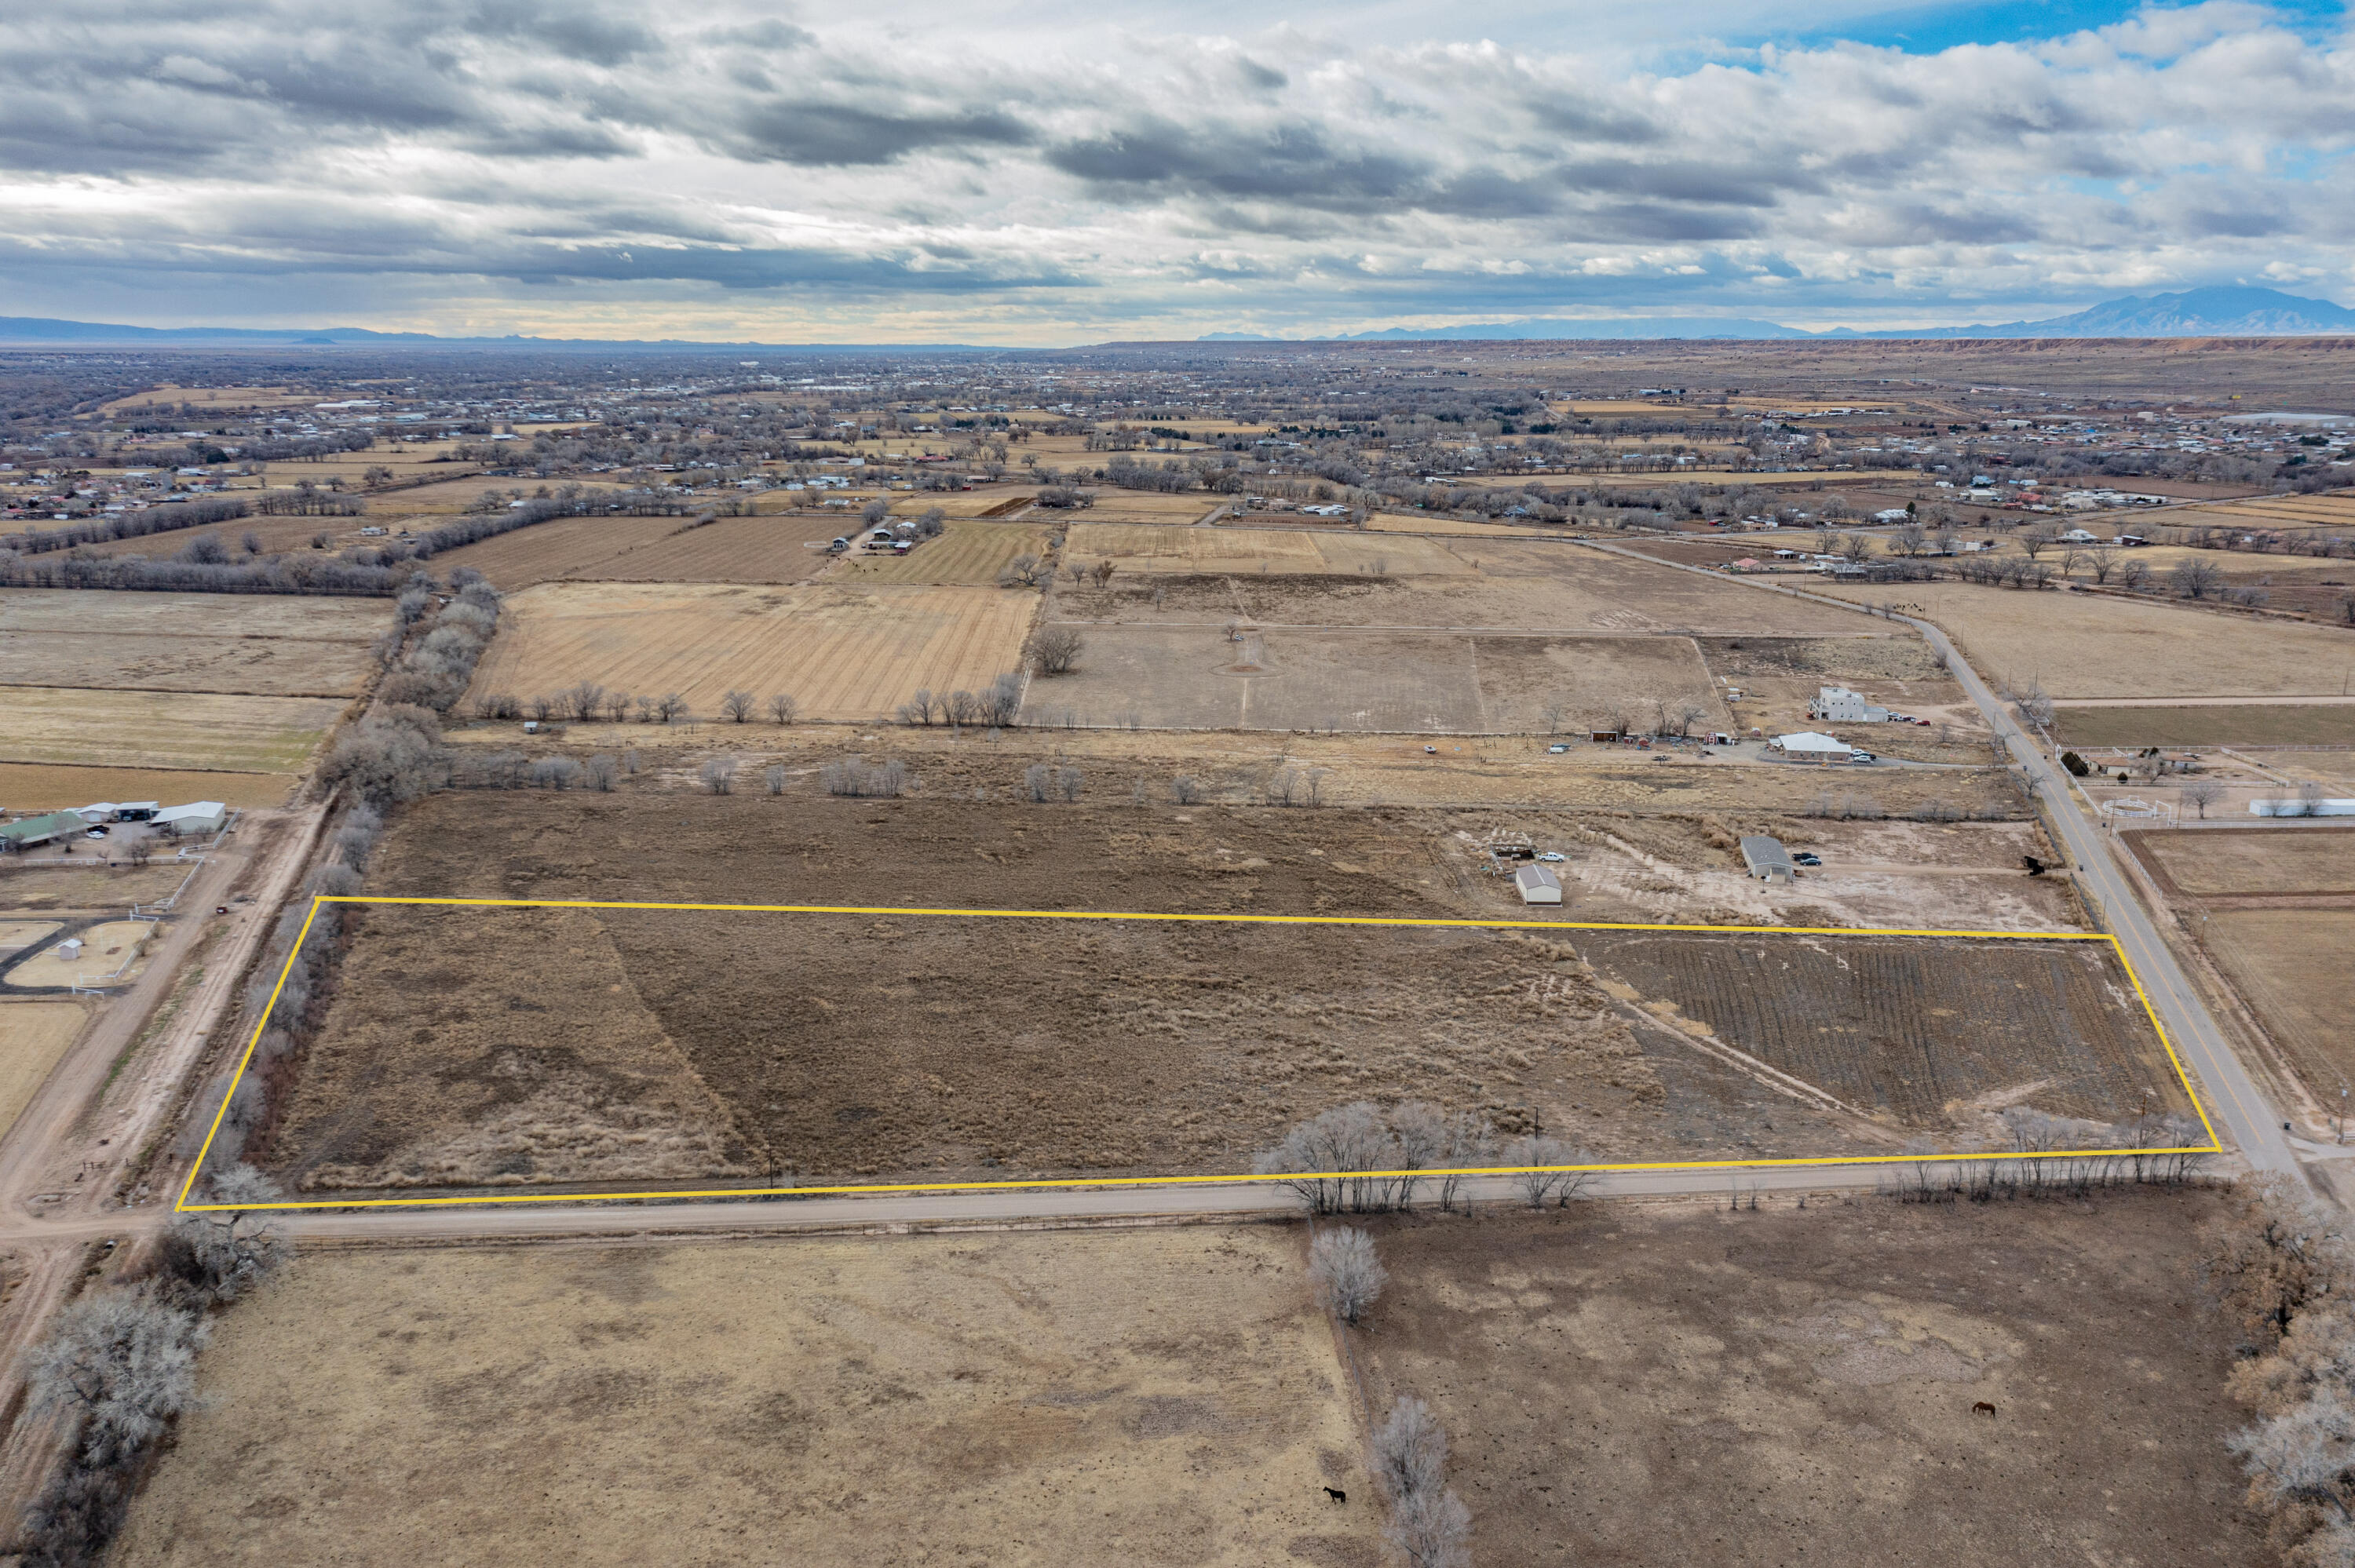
<point>114,812</point>
<point>34,830</point>
<point>192,821</point>
<point>1766,858</point>
<point>1809,746</point>
<point>1538,885</point>
<point>1838,704</point>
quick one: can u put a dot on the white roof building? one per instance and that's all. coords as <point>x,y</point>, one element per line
<point>1538,885</point>
<point>193,820</point>
<point>1808,743</point>
<point>1838,704</point>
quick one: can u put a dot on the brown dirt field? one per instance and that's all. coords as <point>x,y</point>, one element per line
<point>965,552</point>
<point>1930,1035</point>
<point>33,1035</point>
<point>2083,646</point>
<point>2219,724</point>
<point>2291,965</point>
<point>761,549</point>
<point>858,1045</point>
<point>1811,1374</point>
<point>1142,549</point>
<point>1171,1396</point>
<point>171,731</point>
<point>845,652</point>
<point>257,667</point>
<point>35,786</point>
<point>2208,862</point>
<point>94,612</point>
<point>1511,586</point>
<point>48,885</point>
<point>551,550</point>
<point>1341,679</point>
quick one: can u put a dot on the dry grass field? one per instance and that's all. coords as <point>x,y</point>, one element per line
<point>762,549</point>
<point>145,731</point>
<point>2100,647</point>
<point>1658,1387</point>
<point>965,553</point>
<point>1495,586</point>
<point>16,936</point>
<point>94,612</point>
<point>1293,552</point>
<point>46,886</point>
<point>831,1047</point>
<point>38,786</point>
<point>1931,1033</point>
<point>1154,1397</point>
<point>846,652</point>
<point>258,666</point>
<point>34,1033</point>
<point>1464,527</point>
<point>546,551</point>
<point>1347,679</point>
<point>2209,723</point>
<point>2275,908</point>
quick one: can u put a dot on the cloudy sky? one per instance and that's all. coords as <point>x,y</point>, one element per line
<point>1056,172</point>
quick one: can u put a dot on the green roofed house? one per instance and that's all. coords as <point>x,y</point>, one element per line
<point>24,834</point>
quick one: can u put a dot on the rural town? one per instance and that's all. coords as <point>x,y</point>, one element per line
<point>1176,936</point>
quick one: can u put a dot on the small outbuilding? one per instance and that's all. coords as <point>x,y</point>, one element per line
<point>1538,885</point>
<point>1767,859</point>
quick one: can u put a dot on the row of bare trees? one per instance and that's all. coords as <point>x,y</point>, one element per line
<point>994,707</point>
<point>1364,1159</point>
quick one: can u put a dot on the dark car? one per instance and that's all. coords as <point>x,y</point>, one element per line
<point>1804,858</point>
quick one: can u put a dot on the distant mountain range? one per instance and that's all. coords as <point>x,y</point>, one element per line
<point>36,330</point>
<point>2195,313</point>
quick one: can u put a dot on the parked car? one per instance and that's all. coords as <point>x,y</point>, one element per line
<point>1861,756</point>
<point>1556,750</point>
<point>1804,858</point>
<point>1553,854</point>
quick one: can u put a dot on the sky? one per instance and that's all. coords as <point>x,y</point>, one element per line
<point>1055,173</point>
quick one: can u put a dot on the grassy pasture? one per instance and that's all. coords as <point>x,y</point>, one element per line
<point>33,1034</point>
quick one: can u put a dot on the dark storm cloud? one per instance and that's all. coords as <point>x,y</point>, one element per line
<point>1292,163</point>
<point>796,131</point>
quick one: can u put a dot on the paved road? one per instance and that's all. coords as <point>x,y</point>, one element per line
<point>2240,1111</point>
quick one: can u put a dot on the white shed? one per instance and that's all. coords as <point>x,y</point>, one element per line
<point>1538,885</point>
<point>1766,858</point>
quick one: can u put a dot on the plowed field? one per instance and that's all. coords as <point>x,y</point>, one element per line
<point>969,553</point>
<point>846,652</point>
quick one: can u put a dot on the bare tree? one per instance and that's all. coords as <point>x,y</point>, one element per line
<point>2134,575</point>
<point>1057,649</point>
<point>617,706</point>
<point>1539,1175</point>
<point>864,780</point>
<point>774,778</point>
<point>1429,1523</point>
<point>2102,560</point>
<point>1688,716</point>
<point>585,700</point>
<point>738,705</point>
<point>630,762</point>
<point>671,708</point>
<point>1102,573</point>
<point>782,708</point>
<point>2038,539</point>
<point>1024,571</point>
<point>555,773</point>
<point>122,1360</point>
<point>1345,1274</point>
<point>214,1255</point>
<point>2195,578</point>
<point>719,774</point>
<point>1039,781</point>
<point>1185,789</point>
<point>601,771</point>
<point>1432,1530</point>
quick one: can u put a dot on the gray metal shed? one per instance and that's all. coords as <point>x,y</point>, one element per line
<point>1767,858</point>
<point>1538,885</point>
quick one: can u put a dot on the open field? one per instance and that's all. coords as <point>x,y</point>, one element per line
<point>33,1034</point>
<point>1440,523</point>
<point>40,883</point>
<point>2214,723</point>
<point>168,731</point>
<point>234,644</point>
<point>762,550</point>
<point>655,1046</point>
<point>1309,552</point>
<point>1436,683</point>
<point>1167,1397</point>
<point>1930,1035</point>
<point>16,936</point>
<point>2268,862</point>
<point>38,786</point>
<point>2083,646</point>
<point>1509,586</point>
<point>546,551</point>
<point>971,553</point>
<point>846,652</point>
<point>1811,1375</point>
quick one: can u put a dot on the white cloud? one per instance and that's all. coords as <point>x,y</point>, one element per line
<point>1053,174</point>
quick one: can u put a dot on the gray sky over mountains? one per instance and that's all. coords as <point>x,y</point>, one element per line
<point>1058,172</point>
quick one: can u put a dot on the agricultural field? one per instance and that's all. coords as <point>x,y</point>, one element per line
<point>34,1033</point>
<point>546,551</point>
<point>2275,910</point>
<point>965,552</point>
<point>664,1046</point>
<point>845,652</point>
<point>252,666</point>
<point>1812,1374</point>
<point>41,787</point>
<point>2208,724</point>
<point>145,731</point>
<point>1502,585</point>
<point>758,549</point>
<point>1293,552</point>
<point>1348,679</point>
<point>1931,1035</point>
<point>45,885</point>
<point>2093,646</point>
<point>1170,1395</point>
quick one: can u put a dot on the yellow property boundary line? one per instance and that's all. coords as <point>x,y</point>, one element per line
<point>2213,1145</point>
